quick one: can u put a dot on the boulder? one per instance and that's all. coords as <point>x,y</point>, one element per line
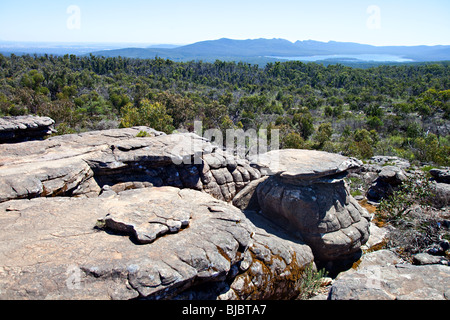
<point>382,275</point>
<point>441,187</point>
<point>306,193</point>
<point>153,243</point>
<point>441,193</point>
<point>23,128</point>
<point>389,179</point>
<point>441,175</point>
<point>83,164</point>
<point>303,166</point>
<point>426,258</point>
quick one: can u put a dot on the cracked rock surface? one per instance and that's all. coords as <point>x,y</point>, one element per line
<point>22,128</point>
<point>107,215</point>
<point>65,248</point>
<point>87,164</point>
<point>306,194</point>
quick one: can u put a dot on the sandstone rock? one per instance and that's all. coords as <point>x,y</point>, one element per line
<point>22,128</point>
<point>52,248</point>
<point>389,179</point>
<point>81,164</point>
<point>378,237</point>
<point>425,258</point>
<point>441,192</point>
<point>307,194</point>
<point>124,217</point>
<point>382,276</point>
<point>441,175</point>
<point>247,198</point>
<point>389,160</point>
<point>297,166</point>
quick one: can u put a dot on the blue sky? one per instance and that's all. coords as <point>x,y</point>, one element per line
<point>393,22</point>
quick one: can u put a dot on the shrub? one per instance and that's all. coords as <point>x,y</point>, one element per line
<point>416,190</point>
<point>142,134</point>
<point>147,114</point>
<point>311,282</point>
<point>293,141</point>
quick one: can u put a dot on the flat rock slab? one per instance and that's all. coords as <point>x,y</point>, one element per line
<point>381,275</point>
<point>63,248</point>
<point>82,164</point>
<point>13,129</point>
<point>298,165</point>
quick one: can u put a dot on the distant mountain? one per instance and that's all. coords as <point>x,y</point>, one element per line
<point>280,49</point>
<point>163,46</point>
<point>258,51</point>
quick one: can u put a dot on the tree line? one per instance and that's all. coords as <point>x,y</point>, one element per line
<point>392,110</point>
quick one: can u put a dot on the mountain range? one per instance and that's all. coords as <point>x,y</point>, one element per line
<point>281,49</point>
<point>253,51</point>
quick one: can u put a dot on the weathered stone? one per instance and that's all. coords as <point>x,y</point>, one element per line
<point>441,175</point>
<point>297,166</point>
<point>389,179</point>
<point>378,237</point>
<point>81,164</point>
<point>24,128</point>
<point>52,248</point>
<point>247,198</point>
<point>425,258</point>
<point>382,276</point>
<point>441,193</point>
<point>310,197</point>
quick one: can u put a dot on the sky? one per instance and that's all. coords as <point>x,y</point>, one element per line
<point>375,22</point>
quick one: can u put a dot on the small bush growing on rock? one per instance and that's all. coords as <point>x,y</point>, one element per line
<point>416,190</point>
<point>142,134</point>
<point>311,282</point>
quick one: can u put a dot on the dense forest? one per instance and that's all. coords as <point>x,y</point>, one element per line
<point>386,110</point>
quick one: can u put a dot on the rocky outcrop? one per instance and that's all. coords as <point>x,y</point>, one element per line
<point>90,163</point>
<point>389,179</point>
<point>153,243</point>
<point>109,215</point>
<point>382,275</point>
<point>441,187</point>
<point>441,175</point>
<point>23,128</point>
<point>307,195</point>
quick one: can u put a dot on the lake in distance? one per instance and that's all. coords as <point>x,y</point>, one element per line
<point>350,57</point>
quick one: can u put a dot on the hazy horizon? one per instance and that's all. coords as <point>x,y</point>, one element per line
<point>374,22</point>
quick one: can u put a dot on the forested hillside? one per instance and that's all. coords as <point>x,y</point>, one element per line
<point>390,110</point>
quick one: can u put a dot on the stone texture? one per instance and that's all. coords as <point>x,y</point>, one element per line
<point>441,175</point>
<point>389,179</point>
<point>296,166</point>
<point>23,128</point>
<point>441,192</point>
<point>425,258</point>
<point>105,214</point>
<point>314,201</point>
<point>381,275</point>
<point>82,164</point>
<point>96,248</point>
